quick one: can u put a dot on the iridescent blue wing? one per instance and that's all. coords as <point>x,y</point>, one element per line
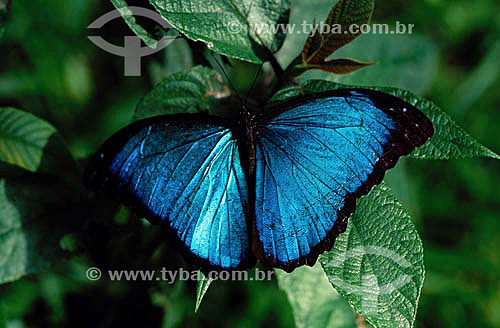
<point>184,172</point>
<point>315,158</point>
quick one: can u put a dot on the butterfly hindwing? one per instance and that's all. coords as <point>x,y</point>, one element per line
<point>184,172</point>
<point>315,158</point>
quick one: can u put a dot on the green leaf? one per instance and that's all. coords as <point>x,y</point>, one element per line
<point>449,140</point>
<point>201,288</point>
<point>344,14</point>
<point>4,15</point>
<point>188,91</point>
<point>227,26</point>
<point>178,57</point>
<point>314,302</point>
<point>313,42</point>
<point>30,224</point>
<point>377,264</point>
<point>32,143</point>
<point>145,28</point>
<point>339,66</point>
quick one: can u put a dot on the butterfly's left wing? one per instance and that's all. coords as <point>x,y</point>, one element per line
<point>315,158</point>
<point>184,172</point>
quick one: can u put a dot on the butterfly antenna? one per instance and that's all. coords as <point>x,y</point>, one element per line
<point>253,85</point>
<point>221,68</point>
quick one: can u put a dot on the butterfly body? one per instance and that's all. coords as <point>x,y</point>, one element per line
<point>277,187</point>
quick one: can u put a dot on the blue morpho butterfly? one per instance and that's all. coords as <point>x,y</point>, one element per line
<point>277,187</point>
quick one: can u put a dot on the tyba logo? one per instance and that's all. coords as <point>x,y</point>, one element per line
<point>132,51</point>
<point>370,288</point>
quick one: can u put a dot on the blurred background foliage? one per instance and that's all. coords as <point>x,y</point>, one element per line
<point>49,68</point>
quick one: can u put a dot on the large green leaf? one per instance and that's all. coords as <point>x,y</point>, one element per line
<point>188,91</point>
<point>145,28</point>
<point>449,140</point>
<point>377,264</point>
<point>30,229</point>
<point>314,302</point>
<point>229,27</point>
<point>32,143</point>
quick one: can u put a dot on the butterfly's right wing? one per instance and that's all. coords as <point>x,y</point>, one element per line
<point>316,158</point>
<point>183,171</point>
